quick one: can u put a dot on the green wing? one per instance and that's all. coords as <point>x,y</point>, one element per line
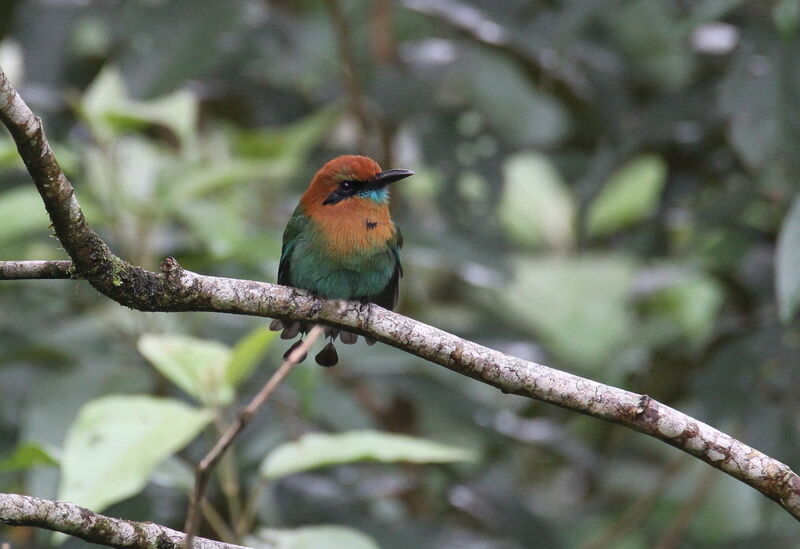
<point>388,297</point>
<point>296,226</point>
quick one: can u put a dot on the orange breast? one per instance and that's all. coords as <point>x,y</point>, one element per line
<point>353,226</point>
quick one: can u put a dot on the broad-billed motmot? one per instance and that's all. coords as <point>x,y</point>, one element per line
<point>341,243</point>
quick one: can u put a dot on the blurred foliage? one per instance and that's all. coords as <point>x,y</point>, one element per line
<point>607,187</point>
<point>318,450</point>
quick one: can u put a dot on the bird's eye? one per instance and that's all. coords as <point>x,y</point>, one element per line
<point>346,185</point>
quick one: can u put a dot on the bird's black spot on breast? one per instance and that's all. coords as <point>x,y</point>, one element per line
<point>370,224</point>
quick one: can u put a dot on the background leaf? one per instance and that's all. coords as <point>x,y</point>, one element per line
<point>630,195</point>
<point>195,365</point>
<point>247,353</point>
<point>522,114</point>
<point>22,212</point>
<point>536,207</point>
<point>322,450</point>
<point>116,442</point>
<point>312,537</point>
<point>579,307</point>
<point>109,108</point>
<point>27,456</point>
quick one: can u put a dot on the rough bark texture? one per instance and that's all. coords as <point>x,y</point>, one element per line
<point>175,289</point>
<point>68,518</point>
<point>20,270</point>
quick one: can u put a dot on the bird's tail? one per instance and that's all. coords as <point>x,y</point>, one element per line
<point>327,356</point>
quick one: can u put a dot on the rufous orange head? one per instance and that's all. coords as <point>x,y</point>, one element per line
<point>350,177</point>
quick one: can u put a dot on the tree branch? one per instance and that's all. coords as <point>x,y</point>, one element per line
<point>20,270</point>
<point>18,510</point>
<point>175,289</point>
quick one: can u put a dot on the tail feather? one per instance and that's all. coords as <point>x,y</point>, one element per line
<point>328,356</point>
<point>294,346</point>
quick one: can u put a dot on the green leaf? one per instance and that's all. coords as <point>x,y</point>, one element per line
<point>295,140</point>
<point>695,305</point>
<point>247,353</point>
<point>687,306</point>
<point>536,207</point>
<point>189,181</point>
<point>755,104</point>
<point>786,16</point>
<point>653,39</point>
<point>195,365</point>
<point>312,537</point>
<point>116,442</point>
<point>22,213</point>
<point>521,113</point>
<point>109,110</point>
<point>27,456</point>
<point>787,268</point>
<point>219,224</point>
<point>174,473</point>
<point>577,306</point>
<point>322,450</point>
<point>630,195</point>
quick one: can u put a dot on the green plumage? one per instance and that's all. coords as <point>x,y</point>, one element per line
<point>306,263</point>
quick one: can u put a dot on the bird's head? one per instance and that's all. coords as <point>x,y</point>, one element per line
<point>351,178</point>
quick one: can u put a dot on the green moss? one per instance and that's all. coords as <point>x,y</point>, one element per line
<point>118,267</point>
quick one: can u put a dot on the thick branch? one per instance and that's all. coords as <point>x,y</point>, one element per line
<point>175,289</point>
<point>20,270</point>
<point>68,518</point>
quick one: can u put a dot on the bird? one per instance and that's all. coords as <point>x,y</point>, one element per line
<point>341,243</point>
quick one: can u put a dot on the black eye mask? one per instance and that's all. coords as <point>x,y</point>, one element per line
<point>350,187</point>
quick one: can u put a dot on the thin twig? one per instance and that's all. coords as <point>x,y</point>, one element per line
<point>207,464</point>
<point>217,523</point>
<point>228,475</point>
<point>248,516</point>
